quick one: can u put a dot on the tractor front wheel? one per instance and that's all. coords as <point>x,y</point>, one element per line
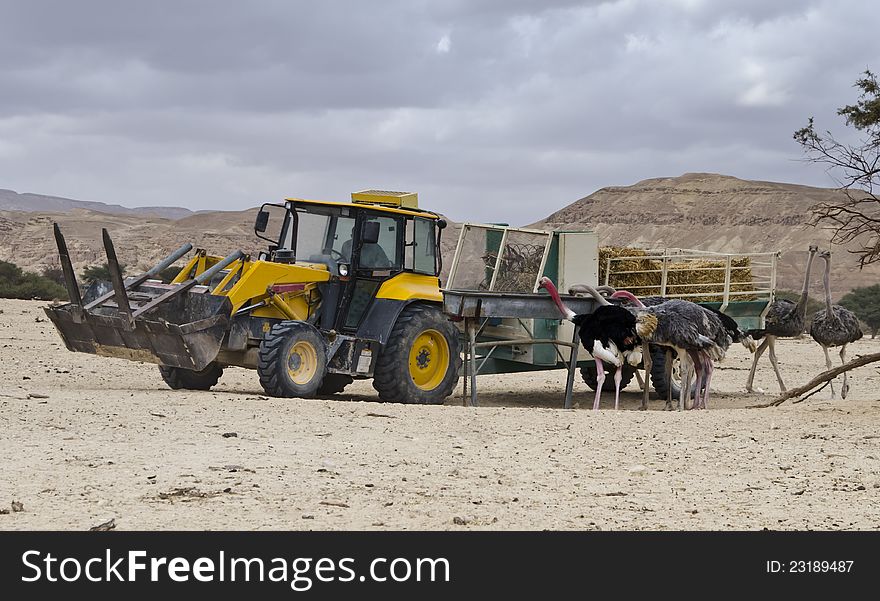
<point>293,360</point>
<point>421,359</point>
<point>179,378</point>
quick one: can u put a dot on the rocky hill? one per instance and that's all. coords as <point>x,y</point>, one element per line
<point>718,213</point>
<point>695,210</point>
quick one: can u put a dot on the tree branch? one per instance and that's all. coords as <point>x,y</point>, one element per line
<point>825,376</point>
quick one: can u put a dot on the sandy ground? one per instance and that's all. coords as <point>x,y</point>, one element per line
<point>85,439</point>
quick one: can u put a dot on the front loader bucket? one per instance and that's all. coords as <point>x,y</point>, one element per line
<point>185,331</point>
<point>177,325</point>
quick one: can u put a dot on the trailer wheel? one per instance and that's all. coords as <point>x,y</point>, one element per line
<point>588,373</point>
<point>420,362</point>
<point>179,378</point>
<point>658,375</point>
<point>293,360</point>
<point>334,383</point>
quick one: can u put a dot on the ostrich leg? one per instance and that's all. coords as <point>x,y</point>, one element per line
<point>618,376</point>
<point>600,380</point>
<point>646,363</point>
<point>844,388</point>
<point>685,366</point>
<point>828,366</point>
<point>760,351</point>
<point>668,366</point>
<point>708,368</point>
<point>772,354</point>
<point>699,372</point>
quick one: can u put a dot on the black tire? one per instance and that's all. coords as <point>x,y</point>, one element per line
<point>588,373</point>
<point>187,379</point>
<point>334,383</point>
<point>393,376</point>
<point>658,375</point>
<point>293,360</point>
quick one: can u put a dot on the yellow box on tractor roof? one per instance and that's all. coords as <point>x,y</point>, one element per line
<point>404,200</point>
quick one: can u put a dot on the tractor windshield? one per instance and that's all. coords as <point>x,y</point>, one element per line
<point>321,233</point>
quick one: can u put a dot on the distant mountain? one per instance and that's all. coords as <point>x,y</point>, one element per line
<point>720,213</point>
<point>39,203</point>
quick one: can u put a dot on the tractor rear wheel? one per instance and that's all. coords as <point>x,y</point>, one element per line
<point>179,378</point>
<point>421,359</point>
<point>588,373</point>
<point>334,383</point>
<point>293,360</point>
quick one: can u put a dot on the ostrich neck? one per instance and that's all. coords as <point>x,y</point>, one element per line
<point>802,305</point>
<point>630,297</point>
<point>826,280</point>
<point>554,294</point>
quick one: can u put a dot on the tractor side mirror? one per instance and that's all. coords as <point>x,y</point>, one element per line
<point>441,223</point>
<point>262,221</point>
<point>370,232</point>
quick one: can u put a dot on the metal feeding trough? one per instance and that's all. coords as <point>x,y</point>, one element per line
<point>477,309</point>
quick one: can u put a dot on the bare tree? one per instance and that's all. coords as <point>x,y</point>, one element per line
<point>856,168</point>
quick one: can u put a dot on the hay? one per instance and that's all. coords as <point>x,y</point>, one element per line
<point>688,276</point>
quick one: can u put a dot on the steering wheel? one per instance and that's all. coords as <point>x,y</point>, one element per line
<point>336,254</point>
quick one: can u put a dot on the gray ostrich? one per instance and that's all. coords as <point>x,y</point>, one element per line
<point>834,326</point>
<point>696,334</point>
<point>785,319</point>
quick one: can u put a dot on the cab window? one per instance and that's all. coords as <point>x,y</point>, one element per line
<point>383,254</point>
<point>421,246</point>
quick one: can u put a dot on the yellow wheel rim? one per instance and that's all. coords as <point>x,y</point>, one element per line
<point>302,362</point>
<point>429,359</point>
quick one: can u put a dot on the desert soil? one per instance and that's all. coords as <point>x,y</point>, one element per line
<point>85,439</point>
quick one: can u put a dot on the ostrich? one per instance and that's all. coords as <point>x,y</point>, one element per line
<point>834,326</point>
<point>610,333</point>
<point>785,319</point>
<point>694,333</point>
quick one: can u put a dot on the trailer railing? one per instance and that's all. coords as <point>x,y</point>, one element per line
<point>695,274</point>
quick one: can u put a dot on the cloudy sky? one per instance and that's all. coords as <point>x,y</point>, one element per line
<point>494,110</point>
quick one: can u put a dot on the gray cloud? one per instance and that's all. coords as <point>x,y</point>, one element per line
<point>491,110</point>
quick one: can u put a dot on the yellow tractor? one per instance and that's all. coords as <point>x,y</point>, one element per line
<point>344,290</point>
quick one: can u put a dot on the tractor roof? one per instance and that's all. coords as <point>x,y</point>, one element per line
<point>374,200</point>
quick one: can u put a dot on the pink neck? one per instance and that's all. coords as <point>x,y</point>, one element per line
<point>628,296</point>
<point>554,294</point>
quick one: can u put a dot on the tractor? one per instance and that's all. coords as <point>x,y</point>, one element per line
<point>343,291</point>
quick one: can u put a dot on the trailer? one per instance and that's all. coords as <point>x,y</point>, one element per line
<point>507,325</point>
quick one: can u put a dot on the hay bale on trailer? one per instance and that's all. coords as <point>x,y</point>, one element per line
<point>685,275</point>
<point>706,277</point>
<point>640,276</point>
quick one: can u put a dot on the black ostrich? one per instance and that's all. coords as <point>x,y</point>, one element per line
<point>834,326</point>
<point>610,333</point>
<point>785,319</point>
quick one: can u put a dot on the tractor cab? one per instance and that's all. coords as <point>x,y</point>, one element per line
<point>379,243</point>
